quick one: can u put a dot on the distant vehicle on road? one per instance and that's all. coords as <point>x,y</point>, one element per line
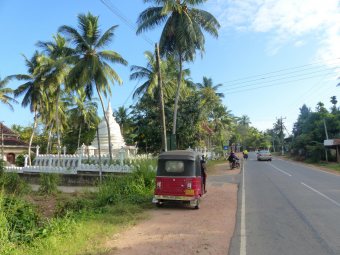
<point>264,155</point>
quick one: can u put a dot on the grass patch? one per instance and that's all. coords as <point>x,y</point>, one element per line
<point>87,233</point>
<point>330,165</point>
<point>212,163</point>
<point>79,224</point>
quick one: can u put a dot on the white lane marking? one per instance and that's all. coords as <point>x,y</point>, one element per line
<point>284,172</point>
<point>321,194</point>
<point>243,238</point>
<point>309,167</point>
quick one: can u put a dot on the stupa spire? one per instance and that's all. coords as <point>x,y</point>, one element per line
<point>109,112</point>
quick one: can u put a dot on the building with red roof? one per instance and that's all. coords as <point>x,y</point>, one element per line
<point>10,145</point>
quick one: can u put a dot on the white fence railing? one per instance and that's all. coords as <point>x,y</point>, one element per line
<point>72,170</point>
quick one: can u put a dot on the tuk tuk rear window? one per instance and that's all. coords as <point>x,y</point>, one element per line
<point>174,166</point>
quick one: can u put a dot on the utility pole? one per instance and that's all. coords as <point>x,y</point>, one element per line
<point>281,133</point>
<point>161,101</point>
<point>2,141</point>
<point>324,124</point>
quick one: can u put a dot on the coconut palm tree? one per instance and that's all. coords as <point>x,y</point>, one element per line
<point>5,93</point>
<point>182,33</point>
<point>244,121</point>
<point>56,70</point>
<point>208,85</point>
<point>122,117</point>
<point>92,68</point>
<point>149,74</point>
<point>82,111</point>
<point>32,90</point>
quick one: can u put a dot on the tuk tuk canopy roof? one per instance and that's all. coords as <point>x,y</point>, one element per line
<point>179,154</point>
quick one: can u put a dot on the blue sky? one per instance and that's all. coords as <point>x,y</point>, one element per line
<point>272,56</point>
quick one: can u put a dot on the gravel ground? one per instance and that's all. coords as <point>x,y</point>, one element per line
<point>175,229</point>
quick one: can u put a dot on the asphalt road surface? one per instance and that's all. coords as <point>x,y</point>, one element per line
<point>286,208</point>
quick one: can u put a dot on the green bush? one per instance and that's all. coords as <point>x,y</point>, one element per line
<point>2,167</point>
<point>49,183</point>
<point>21,220</point>
<point>136,187</point>
<point>20,160</point>
<point>12,183</point>
<point>78,205</point>
<point>314,152</point>
<point>5,245</point>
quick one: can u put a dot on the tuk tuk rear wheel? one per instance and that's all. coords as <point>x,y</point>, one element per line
<point>197,206</point>
<point>159,204</point>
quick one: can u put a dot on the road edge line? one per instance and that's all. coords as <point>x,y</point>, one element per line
<point>243,238</point>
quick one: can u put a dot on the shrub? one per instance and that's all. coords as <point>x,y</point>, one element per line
<point>78,205</point>
<point>314,153</point>
<point>136,187</point>
<point>20,160</point>
<point>2,167</point>
<point>5,244</point>
<point>49,183</point>
<point>12,183</point>
<point>21,220</point>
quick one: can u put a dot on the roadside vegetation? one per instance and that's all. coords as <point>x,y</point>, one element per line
<point>306,142</point>
<point>78,223</point>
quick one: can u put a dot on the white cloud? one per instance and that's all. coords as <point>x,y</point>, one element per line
<point>299,43</point>
<point>285,20</point>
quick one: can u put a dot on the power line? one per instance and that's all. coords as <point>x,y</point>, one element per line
<point>130,25</point>
<point>315,88</point>
<point>285,75</point>
<point>328,70</point>
<point>236,90</point>
<point>277,71</point>
<point>121,16</point>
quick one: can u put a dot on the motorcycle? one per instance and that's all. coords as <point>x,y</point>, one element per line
<point>235,164</point>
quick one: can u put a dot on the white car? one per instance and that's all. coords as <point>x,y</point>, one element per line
<point>264,155</point>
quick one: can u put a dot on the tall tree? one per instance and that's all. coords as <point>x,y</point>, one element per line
<point>122,117</point>
<point>92,68</point>
<point>208,84</point>
<point>82,112</point>
<point>56,68</point>
<point>32,90</point>
<point>182,34</point>
<point>334,101</point>
<point>5,93</point>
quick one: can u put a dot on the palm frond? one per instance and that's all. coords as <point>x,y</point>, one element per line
<point>150,18</point>
<point>106,37</point>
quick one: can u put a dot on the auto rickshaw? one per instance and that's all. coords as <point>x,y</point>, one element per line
<point>179,178</point>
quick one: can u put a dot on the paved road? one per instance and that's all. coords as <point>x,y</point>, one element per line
<point>290,209</point>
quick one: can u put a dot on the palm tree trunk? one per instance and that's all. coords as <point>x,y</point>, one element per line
<point>79,135</point>
<point>58,128</point>
<point>107,123</point>
<point>49,140</point>
<point>179,80</point>
<point>31,138</point>
<point>161,104</point>
<point>100,158</point>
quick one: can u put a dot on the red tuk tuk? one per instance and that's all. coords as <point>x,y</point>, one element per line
<point>179,178</point>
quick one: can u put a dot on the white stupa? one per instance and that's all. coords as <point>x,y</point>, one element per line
<point>117,140</point>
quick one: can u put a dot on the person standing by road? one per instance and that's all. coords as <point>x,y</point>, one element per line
<point>204,173</point>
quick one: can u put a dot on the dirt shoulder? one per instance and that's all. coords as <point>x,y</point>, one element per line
<point>180,230</point>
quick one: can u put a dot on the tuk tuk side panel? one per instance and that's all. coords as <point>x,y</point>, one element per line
<point>174,186</point>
